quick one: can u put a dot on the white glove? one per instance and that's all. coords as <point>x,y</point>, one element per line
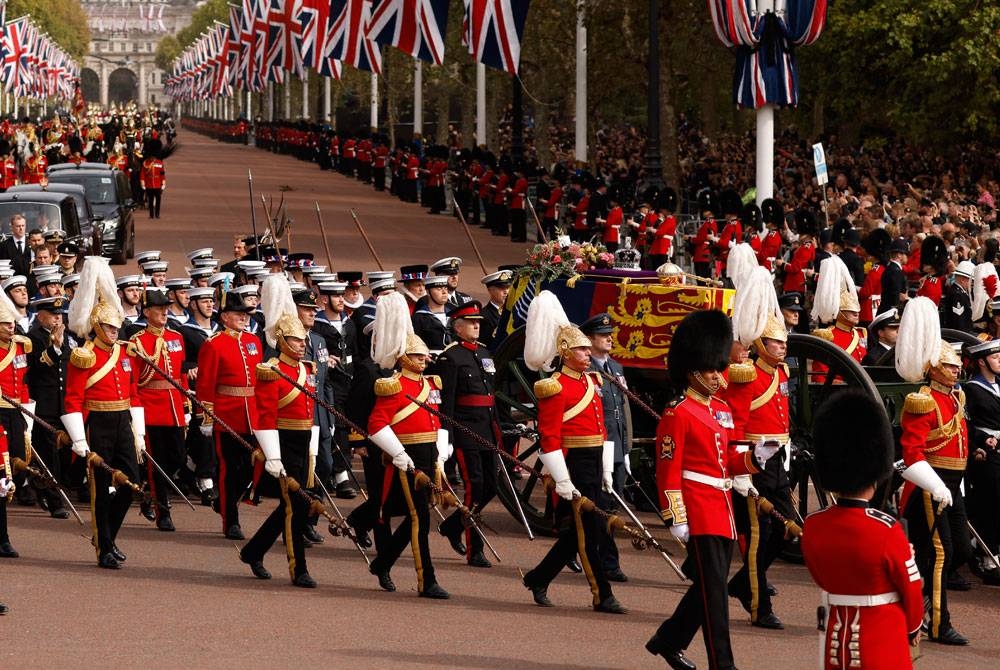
<point>607,482</point>
<point>628,465</point>
<point>680,531</point>
<point>387,441</point>
<point>206,431</point>
<point>922,474</point>
<point>74,428</point>
<point>314,441</point>
<point>762,452</point>
<point>444,447</point>
<point>139,431</point>
<point>268,441</point>
<point>6,487</point>
<point>187,419</point>
<point>30,406</point>
<point>742,484</point>
<point>555,464</point>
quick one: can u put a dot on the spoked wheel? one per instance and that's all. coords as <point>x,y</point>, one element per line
<point>807,391</point>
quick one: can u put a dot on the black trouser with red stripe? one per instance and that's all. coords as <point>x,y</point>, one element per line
<point>235,475</point>
<point>585,465</point>
<point>401,498</point>
<point>110,437</point>
<point>705,605</point>
<point>166,445</point>
<point>295,459</point>
<point>479,472</point>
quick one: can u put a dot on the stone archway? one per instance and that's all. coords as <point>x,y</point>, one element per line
<point>90,85</point>
<point>123,86</point>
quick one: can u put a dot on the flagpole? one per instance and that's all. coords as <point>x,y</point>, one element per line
<point>305,96</point>
<point>270,101</point>
<point>481,104</point>
<point>373,122</point>
<point>327,85</point>
<point>765,136</point>
<point>581,85</point>
<point>287,88</point>
<point>418,99</point>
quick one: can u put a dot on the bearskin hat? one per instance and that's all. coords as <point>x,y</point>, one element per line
<point>667,200</point>
<point>805,222</point>
<point>877,244</point>
<point>751,217</point>
<point>934,254</point>
<point>772,212</point>
<point>852,455</point>
<point>840,229</point>
<point>702,341</point>
<point>730,202</point>
<point>650,196</point>
<point>708,202</point>
<point>152,147</point>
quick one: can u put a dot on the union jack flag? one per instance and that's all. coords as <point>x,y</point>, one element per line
<point>284,40</point>
<point>416,27</point>
<point>314,19</point>
<point>346,39</point>
<point>492,30</point>
<point>16,76</point>
<point>255,42</point>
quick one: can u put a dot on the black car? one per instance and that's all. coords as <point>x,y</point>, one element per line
<point>79,194</point>
<point>42,210</point>
<point>110,197</point>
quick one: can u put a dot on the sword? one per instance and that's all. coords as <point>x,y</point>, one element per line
<point>472,521</point>
<point>649,536</point>
<point>422,479</point>
<point>169,479</point>
<point>993,557</point>
<point>341,527</point>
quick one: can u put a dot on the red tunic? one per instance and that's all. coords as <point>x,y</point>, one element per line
<point>694,437</point>
<point>555,197</point>
<point>802,259</point>
<point>227,365</point>
<point>769,391</point>
<point>517,193</point>
<point>770,248</point>
<point>930,287</point>
<point>570,414</point>
<point>109,374</point>
<point>703,245</point>
<point>9,174</point>
<point>153,175</point>
<point>411,423</point>
<point>663,239</point>
<point>279,404</point>
<point>500,195</point>
<point>851,550</point>
<point>580,212</point>
<point>934,430</point>
<point>165,406</point>
<point>612,225</point>
<point>733,232</point>
<point>13,365</point>
<point>870,294</point>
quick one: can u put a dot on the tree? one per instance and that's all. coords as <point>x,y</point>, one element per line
<point>64,21</point>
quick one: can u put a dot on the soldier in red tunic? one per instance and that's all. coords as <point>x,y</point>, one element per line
<point>935,444</point>
<point>800,267</point>
<point>662,247</point>
<point>876,245</point>
<point>934,263</point>
<point>696,460</point>
<point>153,178</point>
<point>837,300</point>
<point>13,365</point>
<point>286,432</point>
<point>706,237</point>
<point>773,216</point>
<point>167,411</point>
<point>859,556</point>
<point>574,448</point>
<point>227,366</point>
<point>102,403</point>
<point>411,437</point>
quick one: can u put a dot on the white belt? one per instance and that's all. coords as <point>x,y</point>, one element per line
<point>862,601</point>
<point>723,484</point>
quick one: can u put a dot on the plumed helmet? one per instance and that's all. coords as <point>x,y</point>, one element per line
<point>934,255</point>
<point>96,299</point>
<point>918,345</point>
<point>852,455</point>
<point>702,341</point>
<point>548,332</point>
<point>751,217</point>
<point>755,302</point>
<point>772,212</point>
<point>835,291</point>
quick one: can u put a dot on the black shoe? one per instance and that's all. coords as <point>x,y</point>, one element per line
<point>384,580</point>
<point>477,560</point>
<point>675,657</point>
<point>456,542</point>
<point>208,497</point>
<point>539,594</point>
<point>146,510</point>
<point>769,621</point>
<point>957,582</point>
<point>166,524</point>
<point>575,566</point>
<point>312,535</point>
<point>616,575</point>
<point>950,637</point>
<point>216,505</point>
<point>772,590</point>
<point>43,502</point>
<point>108,562</point>
<point>305,581</point>
<point>346,490</point>
<point>257,568</point>
<point>610,605</point>
<point>235,533</point>
<point>364,539</point>
<point>7,550</point>
<point>991,577</point>
<point>4,609</point>
<point>435,592</point>
<point>58,512</point>
<point>117,553</point>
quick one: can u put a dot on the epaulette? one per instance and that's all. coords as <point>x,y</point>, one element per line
<point>214,335</point>
<point>130,348</point>
<point>741,373</point>
<point>879,515</point>
<point>920,402</point>
<point>435,380</point>
<point>83,358</point>
<point>265,373</point>
<point>825,333</point>
<point>312,365</point>
<point>388,386</point>
<point>546,388</point>
<point>598,378</point>
<point>25,342</point>
<point>453,344</point>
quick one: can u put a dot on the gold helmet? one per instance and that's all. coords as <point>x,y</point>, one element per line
<point>570,337</point>
<point>849,301</point>
<point>774,329</point>
<point>105,312</point>
<point>8,314</point>
<point>287,326</point>
<point>948,355</point>
<point>414,346</point>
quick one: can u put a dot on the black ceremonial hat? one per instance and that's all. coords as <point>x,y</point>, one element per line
<point>852,454</point>
<point>752,217</point>
<point>702,341</point>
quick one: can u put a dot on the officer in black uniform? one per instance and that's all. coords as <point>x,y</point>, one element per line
<point>51,345</point>
<point>894,287</point>
<point>498,284</point>
<point>882,332</point>
<point>430,316</point>
<point>466,370</point>
<point>956,305</point>
<point>379,282</point>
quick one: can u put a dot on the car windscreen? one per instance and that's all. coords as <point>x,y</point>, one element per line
<point>100,186</point>
<point>44,216</point>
